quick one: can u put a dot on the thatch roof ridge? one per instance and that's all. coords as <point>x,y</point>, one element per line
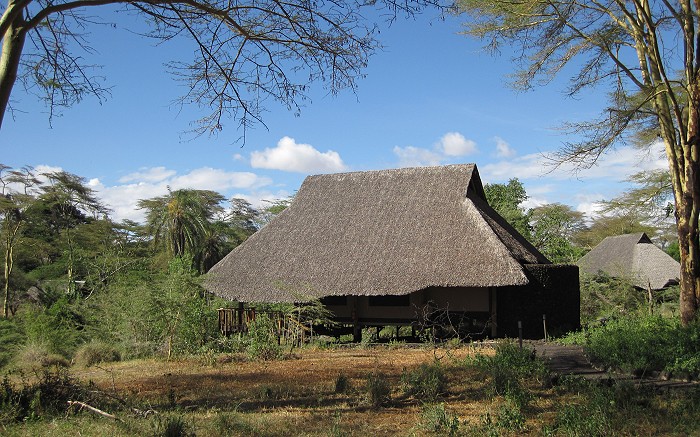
<point>374,233</point>
<point>517,245</point>
<point>632,256</point>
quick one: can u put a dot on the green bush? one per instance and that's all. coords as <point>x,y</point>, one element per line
<point>96,352</point>
<point>602,410</point>
<point>436,420</point>
<point>60,327</point>
<point>508,368</point>
<point>46,397</point>
<point>35,358</point>
<point>426,382</point>
<point>605,296</point>
<point>10,340</point>
<point>510,415</point>
<point>642,344</point>
<point>378,390</point>
<point>262,337</point>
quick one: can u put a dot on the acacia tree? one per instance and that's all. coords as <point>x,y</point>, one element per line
<point>647,53</point>
<point>246,52</point>
<point>13,207</point>
<point>64,202</point>
<point>554,227</point>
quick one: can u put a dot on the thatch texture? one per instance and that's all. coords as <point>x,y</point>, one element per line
<point>635,257</point>
<point>389,232</point>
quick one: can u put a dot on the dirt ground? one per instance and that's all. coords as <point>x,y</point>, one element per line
<point>194,381</point>
<point>226,394</point>
<point>279,397</point>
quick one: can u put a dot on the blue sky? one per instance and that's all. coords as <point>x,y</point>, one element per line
<point>430,97</point>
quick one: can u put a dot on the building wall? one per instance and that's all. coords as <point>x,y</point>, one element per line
<point>553,291</point>
<point>458,298</point>
<point>367,308</point>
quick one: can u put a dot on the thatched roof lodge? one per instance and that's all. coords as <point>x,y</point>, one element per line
<point>634,257</point>
<point>381,246</point>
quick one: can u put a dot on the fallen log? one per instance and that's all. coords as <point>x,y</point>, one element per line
<point>83,405</point>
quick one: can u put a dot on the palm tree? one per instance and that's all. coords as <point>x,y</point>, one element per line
<point>182,221</point>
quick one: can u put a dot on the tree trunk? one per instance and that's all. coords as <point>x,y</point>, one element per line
<point>12,47</point>
<point>10,240</point>
<point>687,210</point>
<point>8,271</point>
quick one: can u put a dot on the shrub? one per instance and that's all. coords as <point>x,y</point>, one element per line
<point>426,382</point>
<point>378,390</point>
<point>10,340</point>
<point>46,397</point>
<point>96,352</point>
<point>643,343</point>
<point>592,417</point>
<point>342,384</point>
<point>172,426</point>
<point>508,368</point>
<point>262,339</point>
<point>35,357</point>
<point>510,415</point>
<point>59,327</point>
<point>436,420</point>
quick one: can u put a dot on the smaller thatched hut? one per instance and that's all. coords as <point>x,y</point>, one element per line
<point>387,247</point>
<point>633,257</point>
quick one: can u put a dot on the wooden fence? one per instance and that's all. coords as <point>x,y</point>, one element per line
<point>287,328</point>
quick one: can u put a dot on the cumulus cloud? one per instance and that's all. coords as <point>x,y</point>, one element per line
<point>503,149</point>
<point>289,155</point>
<point>589,204</point>
<point>452,144</point>
<point>410,156</point>
<point>122,198</point>
<point>455,144</point>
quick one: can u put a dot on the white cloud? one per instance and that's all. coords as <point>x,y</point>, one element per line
<point>589,204</point>
<point>288,155</point>
<point>207,178</point>
<point>153,174</point>
<point>617,165</point>
<point>455,144</point>
<point>452,144</point>
<point>410,156</point>
<point>533,202</point>
<point>122,198</point>
<point>503,149</point>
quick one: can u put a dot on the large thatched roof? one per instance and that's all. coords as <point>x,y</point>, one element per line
<point>635,257</point>
<point>377,233</point>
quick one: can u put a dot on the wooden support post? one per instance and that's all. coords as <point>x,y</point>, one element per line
<point>397,332</point>
<point>241,305</point>
<point>494,312</point>
<point>520,334</point>
<point>544,325</point>
<point>356,328</point>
